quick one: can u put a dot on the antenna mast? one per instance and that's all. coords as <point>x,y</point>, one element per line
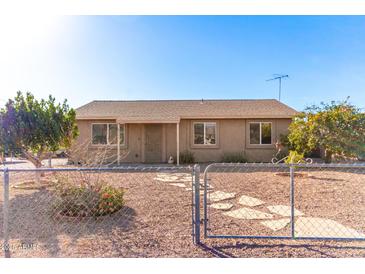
<point>279,77</point>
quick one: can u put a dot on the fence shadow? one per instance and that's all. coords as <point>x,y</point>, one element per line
<point>322,249</point>
<point>31,222</point>
<point>326,179</point>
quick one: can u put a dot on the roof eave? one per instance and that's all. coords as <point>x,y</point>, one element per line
<point>79,117</point>
<point>124,120</point>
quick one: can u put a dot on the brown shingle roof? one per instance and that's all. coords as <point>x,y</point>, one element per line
<point>174,110</point>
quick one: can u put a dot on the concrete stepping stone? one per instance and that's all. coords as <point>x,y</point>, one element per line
<point>320,227</point>
<point>222,206</point>
<point>178,185</point>
<point>171,177</point>
<point>221,195</point>
<point>249,201</point>
<point>162,179</point>
<point>165,180</point>
<point>184,180</point>
<point>284,210</point>
<point>248,214</point>
<point>276,225</point>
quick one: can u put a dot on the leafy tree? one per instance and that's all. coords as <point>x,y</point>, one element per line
<point>336,128</point>
<point>36,128</point>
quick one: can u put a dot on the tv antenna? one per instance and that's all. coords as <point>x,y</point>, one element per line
<point>279,77</point>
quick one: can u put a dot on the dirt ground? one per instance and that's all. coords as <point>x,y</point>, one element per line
<point>156,219</point>
<point>322,193</point>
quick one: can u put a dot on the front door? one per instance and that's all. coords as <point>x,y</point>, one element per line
<point>152,147</point>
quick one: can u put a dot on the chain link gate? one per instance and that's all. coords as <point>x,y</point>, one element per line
<point>280,201</point>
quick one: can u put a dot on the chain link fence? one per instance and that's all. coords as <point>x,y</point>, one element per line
<point>94,212</point>
<point>279,201</point>
<point>152,211</point>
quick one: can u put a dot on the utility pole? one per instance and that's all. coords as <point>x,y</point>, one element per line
<point>279,77</point>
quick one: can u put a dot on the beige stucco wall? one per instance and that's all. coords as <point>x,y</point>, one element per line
<point>131,152</point>
<point>232,137</point>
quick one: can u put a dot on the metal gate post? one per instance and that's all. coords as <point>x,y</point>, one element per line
<point>6,214</point>
<point>292,200</point>
<point>197,203</point>
<point>205,202</point>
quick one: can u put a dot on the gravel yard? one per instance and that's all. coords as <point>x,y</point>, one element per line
<point>156,219</point>
<point>321,197</point>
<point>155,222</point>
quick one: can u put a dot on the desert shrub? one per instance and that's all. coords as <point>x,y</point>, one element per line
<point>294,157</point>
<point>84,200</point>
<point>111,200</point>
<point>187,157</point>
<point>234,158</point>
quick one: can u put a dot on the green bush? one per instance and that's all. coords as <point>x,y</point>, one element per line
<point>234,158</point>
<point>294,157</point>
<point>187,157</point>
<point>361,153</point>
<point>85,200</point>
<point>337,128</point>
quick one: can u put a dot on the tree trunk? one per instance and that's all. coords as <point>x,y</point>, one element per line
<point>36,162</point>
<point>2,158</point>
<point>327,156</point>
<point>33,159</point>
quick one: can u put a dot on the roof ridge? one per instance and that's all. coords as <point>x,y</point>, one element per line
<point>182,100</point>
<point>132,109</point>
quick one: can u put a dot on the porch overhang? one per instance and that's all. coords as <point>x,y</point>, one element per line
<point>167,120</point>
<point>123,120</point>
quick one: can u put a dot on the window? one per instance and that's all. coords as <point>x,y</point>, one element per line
<point>260,133</point>
<point>113,134</point>
<point>99,134</point>
<point>121,134</point>
<point>107,134</point>
<point>205,133</point>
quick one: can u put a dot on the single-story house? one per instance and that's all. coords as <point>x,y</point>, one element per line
<point>150,131</point>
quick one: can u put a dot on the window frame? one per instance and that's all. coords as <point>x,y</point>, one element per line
<point>125,135</point>
<point>205,145</point>
<point>107,134</point>
<point>260,136</point>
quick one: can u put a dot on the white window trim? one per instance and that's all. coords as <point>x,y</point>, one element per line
<point>204,126</point>
<point>107,134</point>
<point>260,137</point>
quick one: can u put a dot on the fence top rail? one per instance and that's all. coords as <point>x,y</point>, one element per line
<point>118,168</point>
<point>180,168</point>
<point>280,165</point>
<point>306,165</point>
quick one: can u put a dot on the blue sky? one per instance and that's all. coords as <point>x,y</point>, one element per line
<point>83,58</point>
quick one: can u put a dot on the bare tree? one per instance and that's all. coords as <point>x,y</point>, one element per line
<point>85,155</point>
